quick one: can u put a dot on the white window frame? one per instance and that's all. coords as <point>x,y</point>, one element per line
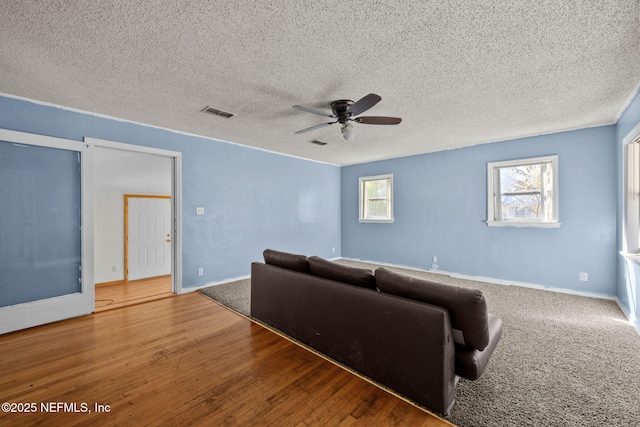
<point>362,217</point>
<point>494,208</point>
<point>631,219</point>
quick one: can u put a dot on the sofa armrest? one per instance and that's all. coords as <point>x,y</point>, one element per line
<point>471,363</point>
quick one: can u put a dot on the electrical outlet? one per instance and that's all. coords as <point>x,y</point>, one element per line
<point>199,211</point>
<point>200,271</point>
<point>584,277</point>
<point>434,266</point>
<point>114,268</point>
<point>434,259</point>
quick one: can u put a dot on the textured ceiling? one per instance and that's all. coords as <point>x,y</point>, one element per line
<point>458,72</point>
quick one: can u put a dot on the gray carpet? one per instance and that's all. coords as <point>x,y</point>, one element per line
<point>563,360</point>
<point>235,295</point>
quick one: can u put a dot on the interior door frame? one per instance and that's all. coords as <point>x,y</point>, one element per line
<point>126,227</point>
<point>39,312</point>
<point>176,195</point>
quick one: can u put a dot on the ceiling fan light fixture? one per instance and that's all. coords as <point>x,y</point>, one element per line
<point>348,132</point>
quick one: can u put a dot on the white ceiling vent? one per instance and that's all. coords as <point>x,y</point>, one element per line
<point>209,109</point>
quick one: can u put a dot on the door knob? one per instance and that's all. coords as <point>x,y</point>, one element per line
<point>168,240</point>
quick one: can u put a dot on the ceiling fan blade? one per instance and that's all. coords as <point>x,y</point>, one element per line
<point>313,111</point>
<point>321,125</point>
<point>378,120</point>
<point>363,104</point>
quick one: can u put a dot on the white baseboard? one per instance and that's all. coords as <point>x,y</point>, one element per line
<point>633,322</point>
<point>483,279</point>
<point>491,280</point>
<point>220,282</point>
<point>186,290</point>
<point>534,286</point>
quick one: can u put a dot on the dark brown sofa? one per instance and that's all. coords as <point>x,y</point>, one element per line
<point>413,336</point>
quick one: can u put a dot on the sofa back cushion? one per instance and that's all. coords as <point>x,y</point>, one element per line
<point>467,307</point>
<point>286,260</point>
<point>341,273</point>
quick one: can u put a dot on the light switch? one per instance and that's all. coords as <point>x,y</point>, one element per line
<point>199,211</point>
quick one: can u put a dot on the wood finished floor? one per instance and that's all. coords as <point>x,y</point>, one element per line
<point>122,294</point>
<point>185,360</point>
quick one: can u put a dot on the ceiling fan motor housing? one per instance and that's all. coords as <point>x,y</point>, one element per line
<point>340,108</point>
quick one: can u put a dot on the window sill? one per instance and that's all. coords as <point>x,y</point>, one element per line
<point>631,257</point>
<point>523,224</point>
<point>382,221</point>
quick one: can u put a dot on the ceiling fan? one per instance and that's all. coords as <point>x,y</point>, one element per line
<point>344,110</point>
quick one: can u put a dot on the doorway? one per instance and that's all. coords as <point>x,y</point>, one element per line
<point>150,177</point>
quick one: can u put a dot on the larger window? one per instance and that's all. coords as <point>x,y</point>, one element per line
<point>523,192</point>
<point>376,198</point>
<point>631,224</point>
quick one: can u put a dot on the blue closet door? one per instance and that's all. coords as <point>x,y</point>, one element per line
<point>41,230</point>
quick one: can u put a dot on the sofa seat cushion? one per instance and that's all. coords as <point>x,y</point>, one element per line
<point>342,273</point>
<point>470,363</point>
<point>467,307</point>
<point>286,260</point>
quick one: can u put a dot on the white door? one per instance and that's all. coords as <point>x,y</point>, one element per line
<point>148,236</point>
<point>46,228</point>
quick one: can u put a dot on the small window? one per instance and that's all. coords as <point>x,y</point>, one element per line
<point>523,192</point>
<point>376,198</point>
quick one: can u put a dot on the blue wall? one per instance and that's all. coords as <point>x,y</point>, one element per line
<point>629,271</point>
<point>253,199</point>
<point>440,208</point>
